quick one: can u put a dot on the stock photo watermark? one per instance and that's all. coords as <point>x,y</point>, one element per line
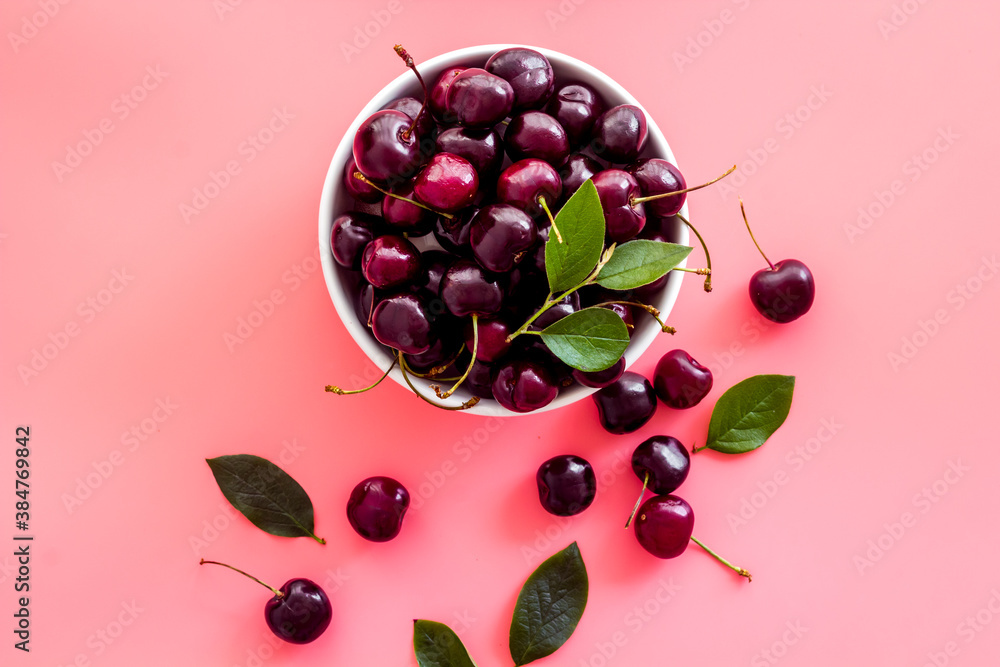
<point>900,15</point>
<point>921,503</point>
<point>772,655</point>
<point>32,24</point>
<point>967,630</point>
<point>365,33</point>
<point>703,39</point>
<point>463,450</point>
<point>104,637</point>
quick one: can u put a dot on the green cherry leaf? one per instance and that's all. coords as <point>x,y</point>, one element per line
<point>749,412</point>
<point>265,494</point>
<point>591,339</point>
<point>549,606</point>
<point>637,263</point>
<point>581,223</point>
<point>437,645</point>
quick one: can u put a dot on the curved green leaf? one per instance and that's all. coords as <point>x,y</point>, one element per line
<point>640,262</point>
<point>265,494</point>
<point>437,645</point>
<point>749,412</point>
<point>581,223</point>
<point>549,606</point>
<point>591,339</point>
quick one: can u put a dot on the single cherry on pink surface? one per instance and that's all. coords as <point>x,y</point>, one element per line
<point>299,612</point>
<point>477,98</point>
<point>567,485</point>
<point>783,292</point>
<point>529,73</point>
<point>376,507</point>
<point>447,183</point>
<point>680,381</point>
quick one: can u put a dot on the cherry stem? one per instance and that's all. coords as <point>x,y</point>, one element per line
<point>364,179</point>
<point>639,200</point>
<point>334,389</point>
<point>700,272</point>
<point>545,207</point>
<point>401,52</point>
<point>738,570</point>
<point>695,449</point>
<point>645,484</point>
<point>406,370</point>
<point>704,246</point>
<point>274,590</point>
<point>649,309</point>
<point>475,348</point>
<point>744,212</point>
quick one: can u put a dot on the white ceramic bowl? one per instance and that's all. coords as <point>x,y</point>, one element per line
<point>335,200</point>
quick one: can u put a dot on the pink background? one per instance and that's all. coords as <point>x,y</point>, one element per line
<point>839,577</point>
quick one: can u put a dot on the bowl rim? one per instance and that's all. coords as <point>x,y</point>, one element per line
<point>403,85</point>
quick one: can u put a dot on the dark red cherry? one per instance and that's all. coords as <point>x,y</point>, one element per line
<point>376,508</point>
<point>578,169</point>
<point>405,216</point>
<point>656,176</point>
<point>661,229</point>
<point>477,98</point>
<point>620,134</point>
<point>625,312</point>
<point>480,380</point>
<point>351,233</point>
<point>438,101</point>
<point>482,148</point>
<point>538,135</point>
<point>680,381</point>
<point>411,106</point>
<point>576,106</point>
<point>467,290</point>
<point>404,323</point>
<point>567,306</point>
<point>523,385</point>
<point>664,525</point>
<point>665,460</point>
<point>623,219</point>
<point>500,236</point>
<point>385,149</point>
<point>493,343</point>
<point>389,261</point>
<point>357,188</point>
<point>784,292</point>
<point>528,72</point>
<point>627,404</point>
<point>600,379</point>
<point>523,183</point>
<point>301,614</point>
<point>445,348</point>
<point>453,233</point>
<point>448,183</point>
<point>567,485</point>
<point>434,263</point>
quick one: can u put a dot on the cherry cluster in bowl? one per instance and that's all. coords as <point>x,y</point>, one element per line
<point>454,198</point>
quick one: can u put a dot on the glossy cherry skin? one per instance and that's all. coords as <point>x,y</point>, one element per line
<point>538,135</point>
<point>680,381</point>
<point>447,183</point>
<point>617,189</point>
<point>500,236</point>
<point>383,150</point>
<point>784,293</point>
<point>477,98</point>
<point>351,233</point>
<point>528,72</point>
<point>389,261</point>
<point>600,379</point>
<point>403,322</point>
<point>434,263</point>
<point>453,233</point>
<point>656,176</point>
<point>411,106</point>
<point>301,614</point>
<point>480,380</point>
<point>438,101</point>
<point>357,188</point>
<point>467,290</point>
<point>523,183</point>
<point>578,169</point>
<point>620,134</point>
<point>576,106</point>
<point>482,148</point>
<point>566,485</point>
<point>445,347</point>
<point>663,526</point>
<point>567,306</point>
<point>665,460</point>
<point>376,508</point>
<point>493,343</point>
<point>627,404</point>
<point>404,216</point>
<point>523,385</point>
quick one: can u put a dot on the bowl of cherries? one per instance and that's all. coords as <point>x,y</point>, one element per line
<point>457,230</point>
